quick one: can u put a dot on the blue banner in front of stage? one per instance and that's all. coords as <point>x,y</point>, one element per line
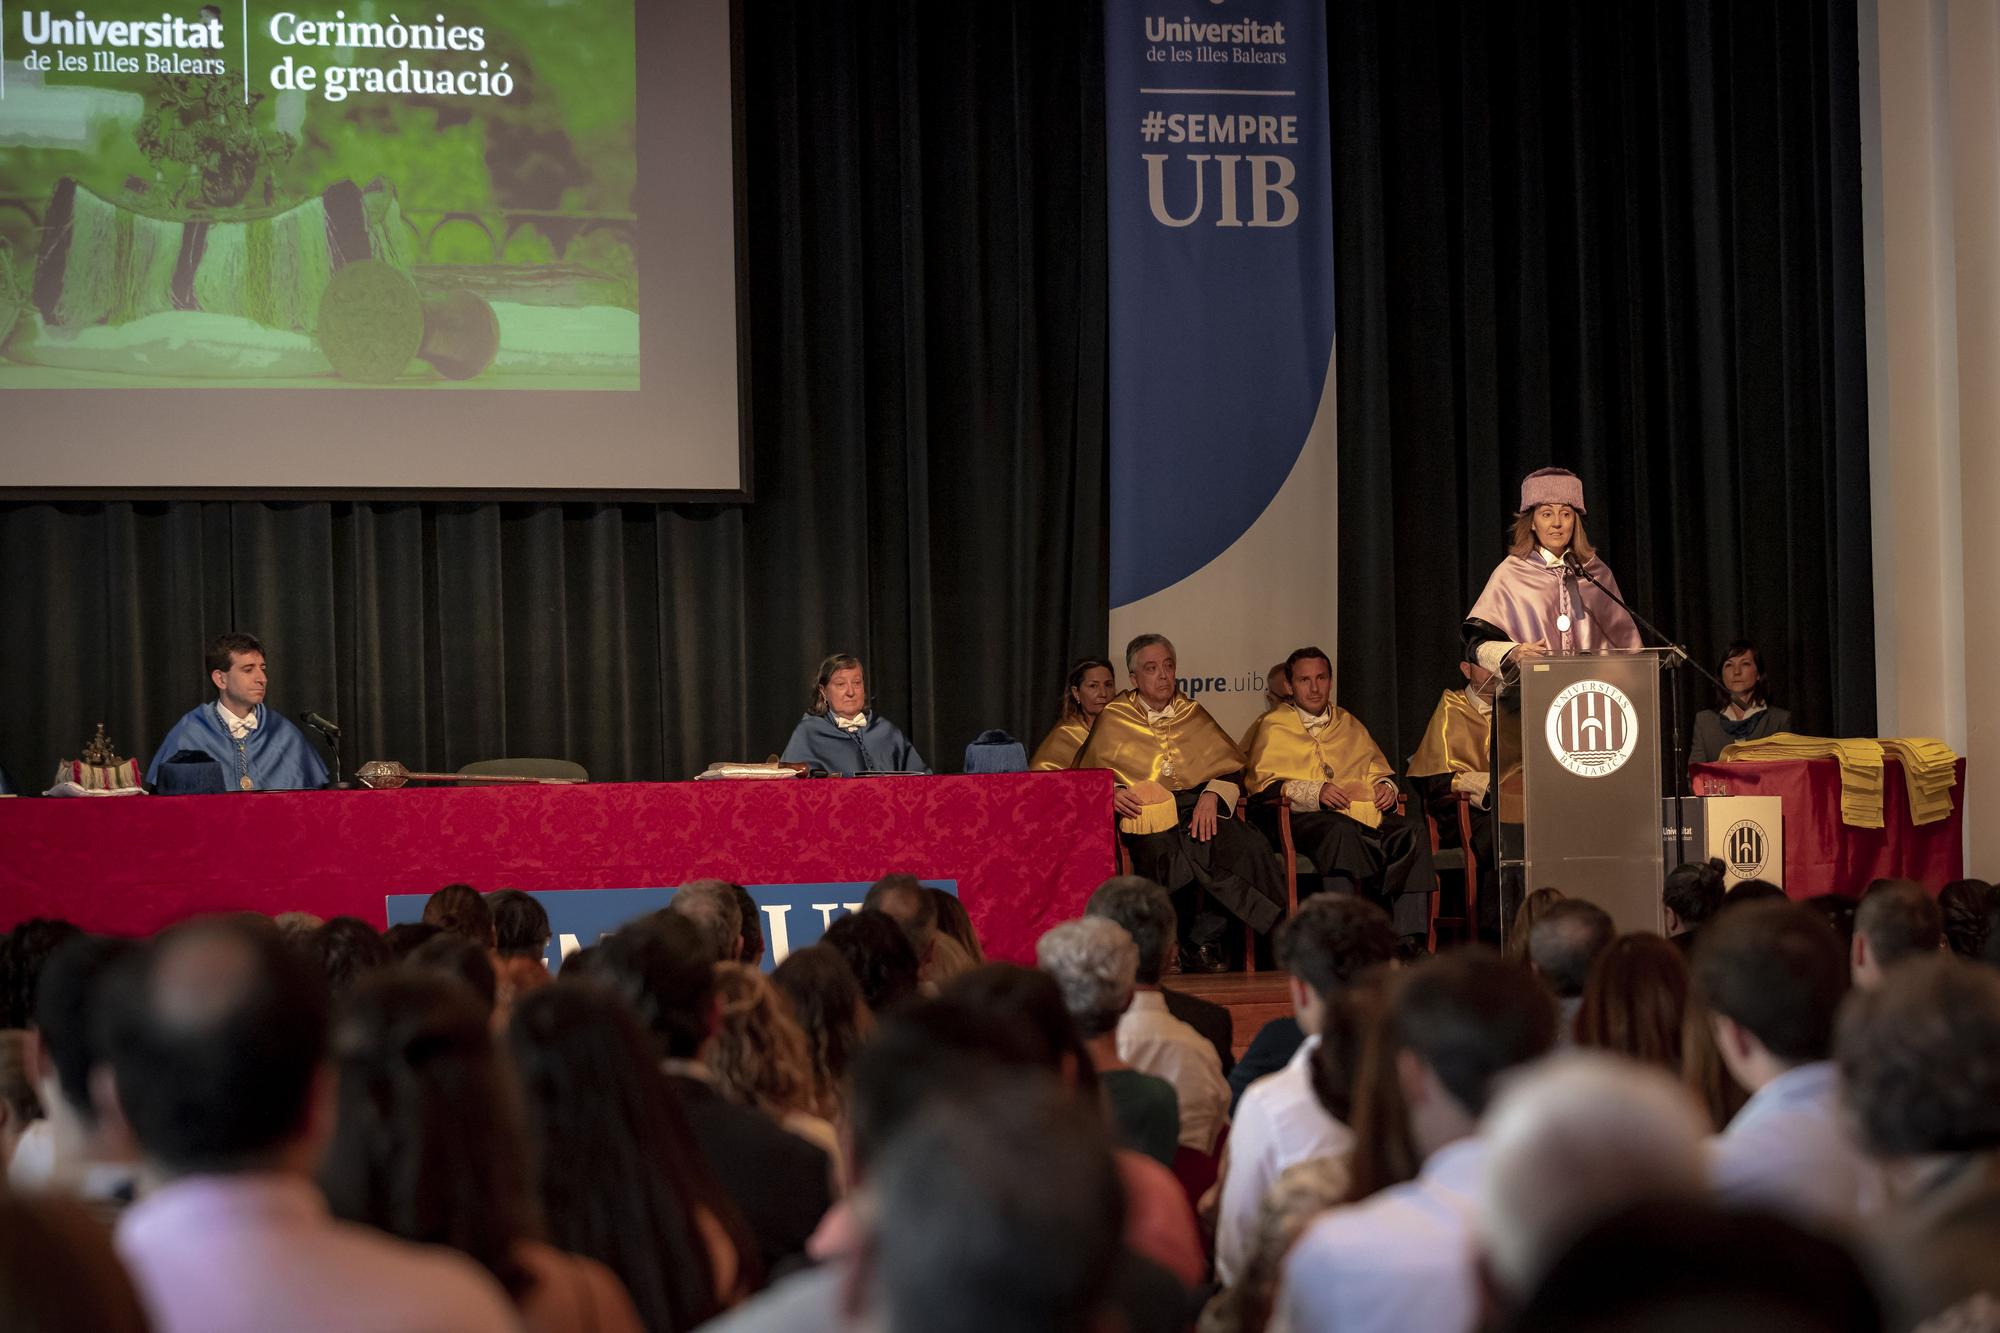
<point>1220,221</point>
<point>792,915</point>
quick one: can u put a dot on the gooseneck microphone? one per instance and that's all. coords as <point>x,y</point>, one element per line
<point>318,723</point>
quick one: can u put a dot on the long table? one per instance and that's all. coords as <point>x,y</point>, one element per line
<point>1824,854</point>
<point>1024,850</point>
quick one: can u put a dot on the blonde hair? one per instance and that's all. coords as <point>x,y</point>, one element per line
<point>1522,540</point>
<point>758,1053</point>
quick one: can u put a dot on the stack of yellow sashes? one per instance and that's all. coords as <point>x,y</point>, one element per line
<point>1928,771</point>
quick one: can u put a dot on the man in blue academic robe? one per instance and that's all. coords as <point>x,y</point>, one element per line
<point>258,748</point>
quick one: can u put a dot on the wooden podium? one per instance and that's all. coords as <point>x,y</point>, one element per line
<point>1579,737</point>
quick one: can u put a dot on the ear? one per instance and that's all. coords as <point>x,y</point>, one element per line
<point>1673,921</point>
<point>1413,1078</point>
<point>1301,994</point>
<point>1465,670</point>
<point>1730,1037</point>
<point>35,1058</point>
<point>217,678</point>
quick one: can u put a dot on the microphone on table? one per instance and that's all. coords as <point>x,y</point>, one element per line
<point>320,724</point>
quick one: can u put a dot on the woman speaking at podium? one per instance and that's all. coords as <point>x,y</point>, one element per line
<point>1541,596</point>
<point>841,734</point>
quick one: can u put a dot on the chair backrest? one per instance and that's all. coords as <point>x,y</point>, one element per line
<point>995,752</point>
<point>525,768</point>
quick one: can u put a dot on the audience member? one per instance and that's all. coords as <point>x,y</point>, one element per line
<point>1572,1141</point>
<point>1772,977</point>
<point>456,956</point>
<point>521,933</point>
<point>954,921</point>
<point>1269,1051</point>
<point>1685,1265</point>
<point>1150,1038</point>
<point>759,1059</point>
<point>781,1184</point>
<point>879,955</point>
<point>998,1211</point>
<point>20,1106</point>
<point>1636,1001</point>
<point>1094,961</point>
<point>406,937</point>
<point>89,1152</point>
<point>1962,907</point>
<point>1693,895</point>
<point>1753,891</point>
<point>1330,941</point>
<point>1920,1071</point>
<point>1384,1152</point>
<point>295,926</point>
<point>904,899</point>
<point>58,1272</point>
<point>826,1001</point>
<point>750,941</point>
<point>1989,946</point>
<point>426,1147</point>
<point>460,909</point>
<point>1896,920</point>
<point>1515,950</point>
<point>1402,1259</point>
<point>23,951</point>
<point>1702,1069</point>
<point>216,1036</point>
<point>616,1169</point>
<point>1837,910</point>
<point>346,949</point>
<point>1563,944</point>
<point>711,905</point>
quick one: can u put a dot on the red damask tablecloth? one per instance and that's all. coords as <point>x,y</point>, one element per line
<point>1824,855</point>
<point>1026,849</point>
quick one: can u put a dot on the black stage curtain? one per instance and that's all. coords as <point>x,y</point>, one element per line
<point>926,263</point>
<point>1625,239</point>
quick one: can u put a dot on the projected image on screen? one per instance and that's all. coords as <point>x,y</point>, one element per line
<point>320,195</point>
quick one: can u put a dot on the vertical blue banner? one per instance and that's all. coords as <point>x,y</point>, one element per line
<point>1221,283</point>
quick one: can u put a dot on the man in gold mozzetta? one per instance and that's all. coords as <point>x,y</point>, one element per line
<point>1176,796</point>
<point>1324,765</point>
<point>1452,761</point>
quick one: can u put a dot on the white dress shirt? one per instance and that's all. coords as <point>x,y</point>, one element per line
<point>1403,1261</point>
<point>237,727</point>
<point>1154,1042</point>
<point>1789,1149</point>
<point>1278,1123</point>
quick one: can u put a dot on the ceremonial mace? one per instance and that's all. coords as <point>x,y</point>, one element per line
<point>387,775</point>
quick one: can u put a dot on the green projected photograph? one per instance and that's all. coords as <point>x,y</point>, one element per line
<point>328,195</point>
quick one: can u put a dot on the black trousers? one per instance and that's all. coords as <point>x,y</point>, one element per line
<point>1390,864</point>
<point>1232,875</point>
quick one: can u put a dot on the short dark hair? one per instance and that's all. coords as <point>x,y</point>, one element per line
<point>663,966</point>
<point>1760,692</point>
<point>1694,891</point>
<point>1838,910</point>
<point>1753,891</point>
<point>1920,1059</point>
<point>1899,920</point>
<point>1146,912</point>
<point>520,924</point>
<point>1775,969</point>
<point>224,649</point>
<point>67,1005</point>
<point>1299,655</point>
<point>406,937</point>
<point>347,949</point>
<point>1332,939</point>
<point>458,957</point>
<point>25,950</point>
<point>879,953</point>
<point>1567,940</point>
<point>462,910</point>
<point>918,1052</point>
<point>215,1033</point>
<point>750,942</point>
<point>921,927</point>
<point>1471,1015</point>
<point>1031,999</point>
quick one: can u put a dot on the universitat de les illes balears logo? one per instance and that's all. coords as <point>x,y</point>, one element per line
<point>1748,847</point>
<point>1592,728</point>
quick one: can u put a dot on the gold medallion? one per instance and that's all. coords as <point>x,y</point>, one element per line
<point>244,782</point>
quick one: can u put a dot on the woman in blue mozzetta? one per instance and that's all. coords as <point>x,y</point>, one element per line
<point>841,734</point>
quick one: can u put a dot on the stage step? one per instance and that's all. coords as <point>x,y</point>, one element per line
<point>1252,998</point>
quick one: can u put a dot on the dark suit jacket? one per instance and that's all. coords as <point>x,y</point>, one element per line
<point>781,1184</point>
<point>1208,1018</point>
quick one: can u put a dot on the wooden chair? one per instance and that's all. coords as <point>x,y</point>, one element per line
<point>1460,858</point>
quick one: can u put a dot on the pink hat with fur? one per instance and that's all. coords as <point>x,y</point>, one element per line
<point>1552,486</point>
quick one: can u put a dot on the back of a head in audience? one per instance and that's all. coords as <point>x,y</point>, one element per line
<point>826,1000</point>
<point>406,937</point>
<point>758,1053</point>
<point>1920,1060</point>
<point>1753,891</point>
<point>1694,1266</point>
<point>460,909</point>
<point>879,954</point>
<point>710,904</point>
<point>999,1210</point>
<point>426,1146</point>
<point>1573,1140</point>
<point>665,969</point>
<point>904,899</point>
<point>1093,962</point>
<point>1348,1024</point>
<point>1896,920</point>
<point>24,950</point>
<point>616,1170</point>
<point>1566,941</point>
<point>455,956</point>
<point>1460,1021</point>
<point>520,924</point>
<point>1635,1002</point>
<point>1772,977</point>
<point>58,1272</point>
<point>1033,1003</point>
<point>953,920</point>
<point>69,1009</point>
<point>216,1034</point>
<point>295,926</point>
<point>1962,905</point>
<point>1146,912</point>
<point>1693,894</point>
<point>20,1103</point>
<point>1332,939</point>
<point>1523,926</point>
<point>346,949</point>
<point>750,939</point>
<point>1838,911</point>
<point>921,1052</point>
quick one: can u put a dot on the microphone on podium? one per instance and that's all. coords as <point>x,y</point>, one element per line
<point>320,724</point>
